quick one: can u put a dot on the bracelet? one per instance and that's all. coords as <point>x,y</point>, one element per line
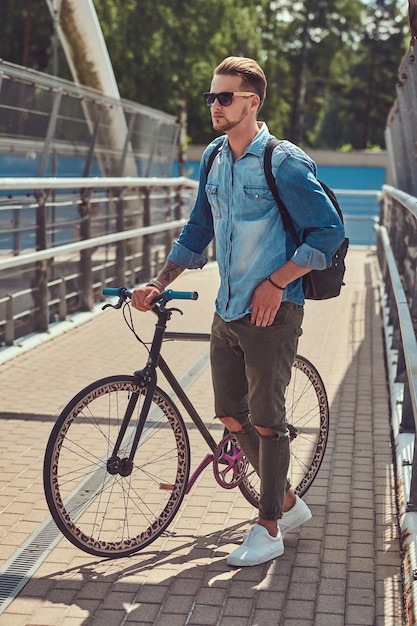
<point>275,284</point>
<point>155,283</point>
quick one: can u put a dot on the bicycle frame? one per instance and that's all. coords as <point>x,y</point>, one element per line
<point>186,402</point>
<point>148,375</point>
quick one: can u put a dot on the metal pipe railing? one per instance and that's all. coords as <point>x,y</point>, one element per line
<point>93,242</point>
<point>64,182</point>
<point>397,255</point>
<point>81,207</point>
<point>52,273</point>
<point>396,245</point>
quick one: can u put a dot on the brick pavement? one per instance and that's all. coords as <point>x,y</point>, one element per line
<point>340,569</point>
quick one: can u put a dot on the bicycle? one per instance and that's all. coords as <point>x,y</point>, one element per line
<point>117,461</point>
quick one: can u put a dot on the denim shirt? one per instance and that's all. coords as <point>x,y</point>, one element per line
<point>235,205</point>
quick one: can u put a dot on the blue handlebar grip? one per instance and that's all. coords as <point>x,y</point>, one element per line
<point>121,292</point>
<point>180,295</point>
<point>111,291</point>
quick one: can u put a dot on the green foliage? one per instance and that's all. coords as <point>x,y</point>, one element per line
<point>331,64</point>
<point>18,25</point>
<point>356,111</point>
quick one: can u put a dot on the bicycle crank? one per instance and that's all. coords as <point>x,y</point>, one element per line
<point>229,463</point>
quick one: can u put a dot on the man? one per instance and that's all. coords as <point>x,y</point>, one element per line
<point>259,306</point>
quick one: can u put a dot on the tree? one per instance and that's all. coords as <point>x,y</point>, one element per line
<point>26,33</point>
<point>366,89</point>
<point>331,64</point>
<point>308,34</point>
<point>164,53</point>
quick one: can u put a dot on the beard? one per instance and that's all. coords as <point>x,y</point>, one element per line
<point>225,125</point>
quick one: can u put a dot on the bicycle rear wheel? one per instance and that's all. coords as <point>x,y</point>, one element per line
<point>307,410</point>
<point>106,514</point>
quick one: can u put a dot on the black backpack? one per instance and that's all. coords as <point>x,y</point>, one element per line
<point>317,284</point>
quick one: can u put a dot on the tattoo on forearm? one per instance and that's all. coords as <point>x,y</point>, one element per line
<point>170,272</point>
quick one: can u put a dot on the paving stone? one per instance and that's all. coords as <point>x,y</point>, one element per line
<point>183,578</point>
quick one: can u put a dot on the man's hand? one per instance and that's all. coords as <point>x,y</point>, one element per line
<point>266,301</point>
<point>143,297</point>
<point>267,297</point>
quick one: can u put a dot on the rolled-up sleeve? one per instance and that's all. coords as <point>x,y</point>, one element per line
<point>180,255</point>
<point>306,256</point>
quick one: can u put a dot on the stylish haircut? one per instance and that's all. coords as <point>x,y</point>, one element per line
<point>252,75</point>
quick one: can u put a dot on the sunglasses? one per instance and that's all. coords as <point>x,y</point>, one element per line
<point>225,98</point>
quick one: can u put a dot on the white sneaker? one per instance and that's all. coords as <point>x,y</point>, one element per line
<point>258,547</point>
<point>295,517</point>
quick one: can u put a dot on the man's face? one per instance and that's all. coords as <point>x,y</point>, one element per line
<point>225,118</point>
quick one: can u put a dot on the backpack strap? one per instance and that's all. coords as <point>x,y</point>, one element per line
<point>213,155</point>
<point>272,184</point>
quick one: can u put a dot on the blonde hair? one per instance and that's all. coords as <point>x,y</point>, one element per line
<point>251,73</point>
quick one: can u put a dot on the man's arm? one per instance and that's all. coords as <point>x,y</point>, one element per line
<point>169,273</point>
<point>143,296</point>
<point>187,251</point>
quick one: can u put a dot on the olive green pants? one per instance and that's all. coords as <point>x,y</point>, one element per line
<point>251,369</point>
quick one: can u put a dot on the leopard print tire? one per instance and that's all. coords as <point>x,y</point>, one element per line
<point>307,410</point>
<point>99,509</point>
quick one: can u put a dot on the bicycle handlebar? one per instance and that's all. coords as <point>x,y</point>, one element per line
<point>117,291</point>
<point>170,294</point>
<point>123,294</point>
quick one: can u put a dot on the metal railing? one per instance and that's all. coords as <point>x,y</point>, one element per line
<point>63,239</point>
<point>401,130</point>
<point>80,235</point>
<point>52,127</point>
<point>397,254</point>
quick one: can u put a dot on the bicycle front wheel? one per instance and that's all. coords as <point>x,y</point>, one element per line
<point>307,410</point>
<point>105,513</point>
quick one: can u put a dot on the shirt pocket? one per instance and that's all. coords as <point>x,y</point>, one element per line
<point>212,192</point>
<point>257,203</point>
